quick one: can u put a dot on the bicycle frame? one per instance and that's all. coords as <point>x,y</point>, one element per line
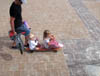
<point>19,42</point>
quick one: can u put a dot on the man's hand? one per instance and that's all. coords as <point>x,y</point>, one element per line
<point>15,33</point>
<point>12,19</point>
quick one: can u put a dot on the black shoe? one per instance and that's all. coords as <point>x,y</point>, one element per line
<point>31,51</point>
<point>14,47</point>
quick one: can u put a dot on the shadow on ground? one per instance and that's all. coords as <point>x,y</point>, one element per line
<point>5,42</point>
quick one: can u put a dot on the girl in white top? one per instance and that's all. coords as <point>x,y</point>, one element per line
<point>49,41</point>
<point>33,42</point>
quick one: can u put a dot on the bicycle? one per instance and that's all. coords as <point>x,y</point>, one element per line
<point>18,40</point>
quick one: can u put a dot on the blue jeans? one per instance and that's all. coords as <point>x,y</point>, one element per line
<point>23,28</point>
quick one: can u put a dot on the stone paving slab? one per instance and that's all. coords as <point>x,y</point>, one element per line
<point>35,64</point>
<point>90,69</point>
<point>94,8</point>
<point>83,55</point>
<point>79,54</point>
<point>12,63</point>
<point>89,20</point>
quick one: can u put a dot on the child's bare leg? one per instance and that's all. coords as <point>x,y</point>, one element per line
<point>37,48</point>
<point>26,39</point>
<point>14,43</point>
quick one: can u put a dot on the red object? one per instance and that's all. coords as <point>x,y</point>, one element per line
<point>23,33</point>
<point>11,33</point>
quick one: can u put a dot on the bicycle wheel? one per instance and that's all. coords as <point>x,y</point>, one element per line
<point>21,45</point>
<point>21,48</point>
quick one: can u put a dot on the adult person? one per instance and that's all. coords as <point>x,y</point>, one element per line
<point>16,22</point>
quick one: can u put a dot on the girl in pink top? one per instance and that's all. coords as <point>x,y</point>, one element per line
<point>49,41</point>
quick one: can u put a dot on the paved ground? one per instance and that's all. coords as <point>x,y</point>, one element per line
<point>75,23</point>
<point>12,63</point>
<point>83,54</point>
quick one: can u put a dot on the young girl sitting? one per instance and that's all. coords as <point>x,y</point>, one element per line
<point>33,43</point>
<point>50,42</point>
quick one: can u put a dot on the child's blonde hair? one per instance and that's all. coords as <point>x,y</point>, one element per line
<point>31,36</point>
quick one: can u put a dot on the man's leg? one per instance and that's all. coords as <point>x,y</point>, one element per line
<point>27,33</point>
<point>22,28</point>
<point>14,44</point>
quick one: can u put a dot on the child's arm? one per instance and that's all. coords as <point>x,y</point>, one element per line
<point>26,24</point>
<point>49,43</point>
<point>52,37</point>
